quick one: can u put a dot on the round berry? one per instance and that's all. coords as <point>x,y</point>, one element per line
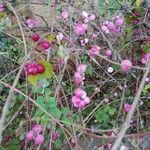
<point>29,135</point>
<point>55,136</point>
<point>39,139</point>
<point>126,65</point>
<point>32,71</point>
<point>40,68</point>
<point>37,128</point>
<point>35,37</point>
<point>45,44</point>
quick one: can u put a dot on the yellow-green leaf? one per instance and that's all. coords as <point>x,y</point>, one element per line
<point>138,2</point>
<point>51,38</point>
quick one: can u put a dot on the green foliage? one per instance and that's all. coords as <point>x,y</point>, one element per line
<point>48,104</point>
<point>104,116</point>
<point>146,89</point>
<point>108,7</point>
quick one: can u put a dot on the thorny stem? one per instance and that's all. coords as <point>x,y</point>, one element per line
<point>126,124</point>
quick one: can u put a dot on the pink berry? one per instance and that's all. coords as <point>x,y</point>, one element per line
<point>145,58</point>
<point>79,92</point>
<point>87,100</point>
<point>75,100</point>
<point>126,65</point>
<point>65,14</point>
<point>108,52</point>
<point>55,136</point>
<point>40,68</point>
<point>2,7</point>
<point>94,51</point>
<point>45,44</point>
<point>105,29</point>
<point>82,68</point>
<point>92,17</point>
<point>127,107</point>
<point>81,104</point>
<point>106,100</point>
<point>119,21</point>
<point>39,139</point>
<point>35,37</point>
<point>29,135</point>
<point>80,29</point>
<point>85,14</point>
<point>78,78</point>
<point>37,128</point>
<point>32,71</point>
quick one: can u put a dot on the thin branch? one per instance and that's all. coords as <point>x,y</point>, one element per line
<point>126,124</point>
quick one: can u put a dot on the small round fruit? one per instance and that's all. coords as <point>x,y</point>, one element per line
<point>45,44</point>
<point>35,37</point>
<point>40,68</point>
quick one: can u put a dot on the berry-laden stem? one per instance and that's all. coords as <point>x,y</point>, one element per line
<point>126,124</point>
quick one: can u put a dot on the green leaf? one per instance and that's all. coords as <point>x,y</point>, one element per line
<point>44,120</point>
<point>107,108</point>
<point>55,112</point>
<point>105,118</point>
<point>146,48</point>
<point>146,89</point>
<point>64,110</point>
<point>51,102</point>
<point>112,111</point>
<point>138,2</point>
<point>40,100</point>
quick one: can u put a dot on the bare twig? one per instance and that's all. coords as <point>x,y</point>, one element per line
<point>126,124</point>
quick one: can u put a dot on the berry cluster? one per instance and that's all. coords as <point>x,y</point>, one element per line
<point>80,28</point>
<point>44,44</point>
<point>35,134</point>
<point>34,68</point>
<point>80,98</point>
<point>31,23</point>
<point>94,51</point>
<point>88,17</point>
<point>79,74</point>
<point>113,27</point>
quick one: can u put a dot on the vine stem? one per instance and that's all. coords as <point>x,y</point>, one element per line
<point>126,123</point>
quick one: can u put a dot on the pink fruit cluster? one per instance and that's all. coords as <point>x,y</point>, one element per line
<point>94,51</point>
<point>113,26</point>
<point>80,98</point>
<point>34,68</point>
<point>35,134</point>
<point>88,17</point>
<point>79,74</point>
<point>1,7</point>
<point>31,23</point>
<point>84,41</point>
<point>127,107</point>
<point>145,58</point>
<point>126,65</point>
<point>80,28</point>
<point>44,44</point>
